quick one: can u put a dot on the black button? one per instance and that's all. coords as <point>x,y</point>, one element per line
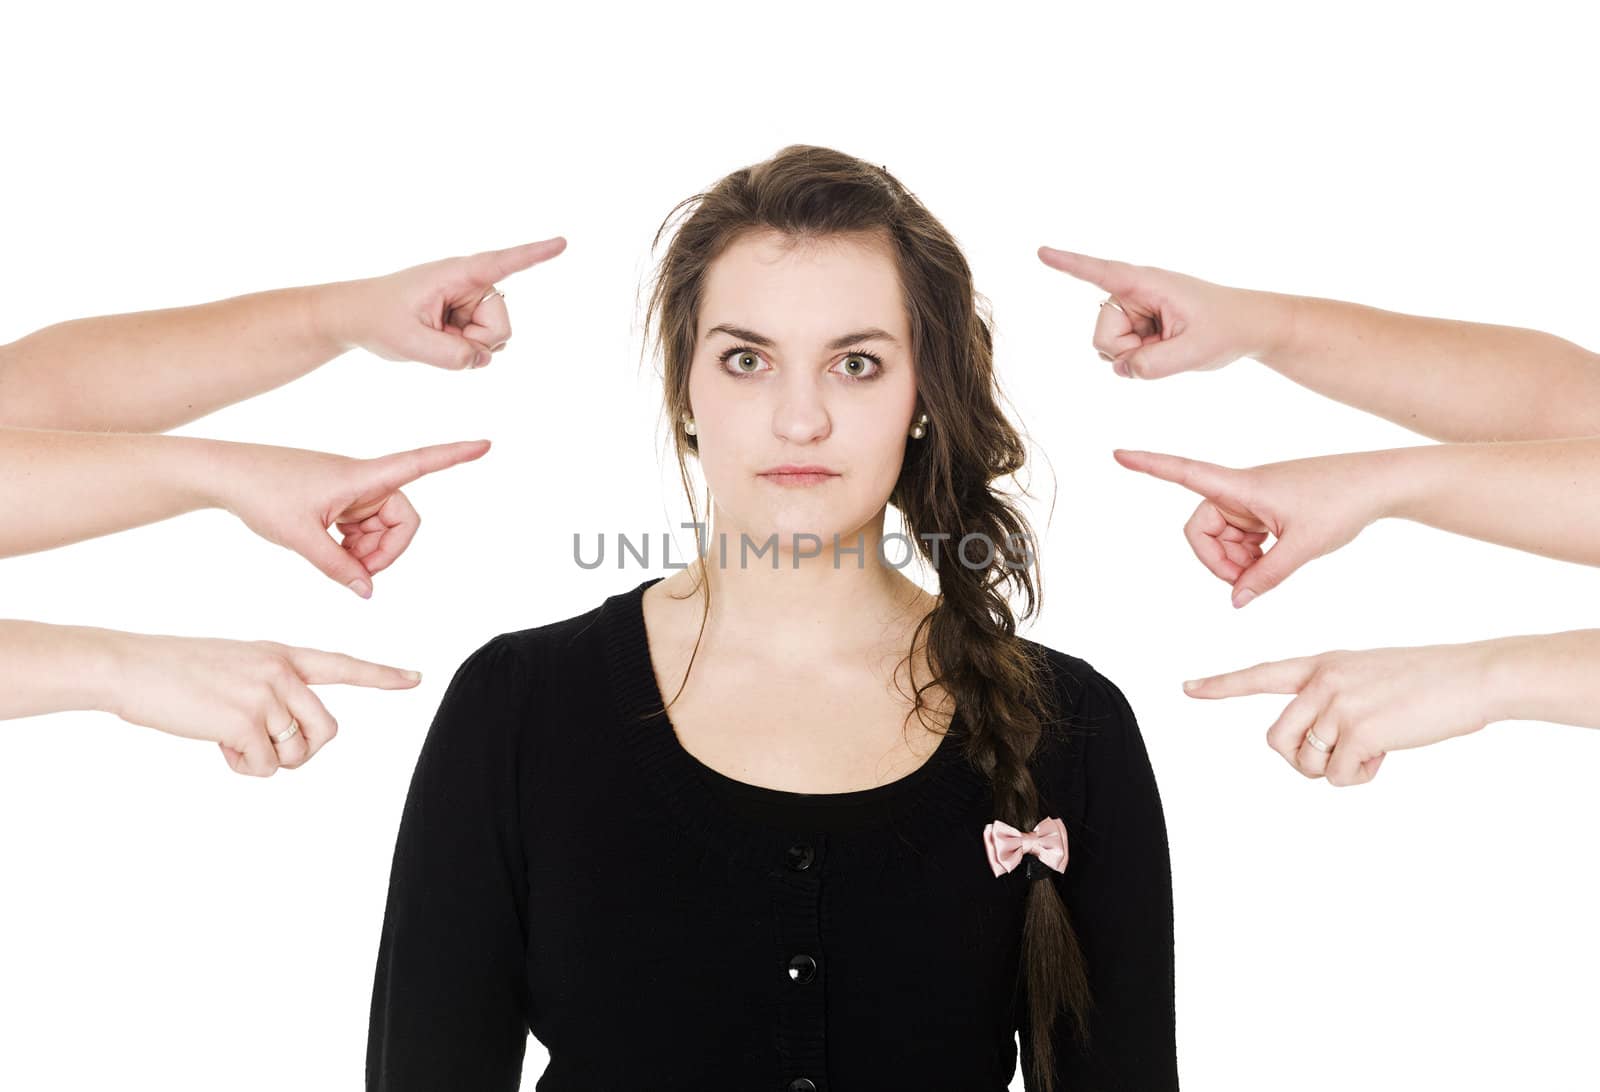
<point>802,1084</point>
<point>800,857</point>
<point>802,968</point>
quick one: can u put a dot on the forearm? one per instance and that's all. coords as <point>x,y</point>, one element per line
<point>1533,495</point>
<point>1455,381</point>
<point>63,487</point>
<point>51,669</point>
<point>150,371</point>
<point>1551,677</point>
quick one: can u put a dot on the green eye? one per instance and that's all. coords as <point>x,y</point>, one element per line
<point>862,366</point>
<point>738,361</point>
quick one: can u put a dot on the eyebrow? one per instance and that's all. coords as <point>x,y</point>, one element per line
<point>871,333</point>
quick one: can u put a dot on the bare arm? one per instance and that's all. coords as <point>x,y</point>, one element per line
<point>1533,495</point>
<point>252,698</point>
<point>1455,381</point>
<point>1551,677</point>
<point>151,371</point>
<point>1366,703</point>
<point>63,487</point>
<point>1462,382</point>
<point>50,669</point>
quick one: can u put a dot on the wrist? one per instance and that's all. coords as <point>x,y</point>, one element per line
<point>1498,664</point>
<point>103,661</point>
<point>1400,477</point>
<point>1275,321</point>
<point>205,469</point>
<point>328,317</point>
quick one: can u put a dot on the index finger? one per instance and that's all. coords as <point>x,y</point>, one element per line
<point>1194,475</point>
<point>490,265</point>
<point>1276,677</point>
<point>408,466</point>
<point>1114,277</point>
<point>315,667</point>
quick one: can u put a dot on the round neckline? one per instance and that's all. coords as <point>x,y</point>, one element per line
<point>872,793</point>
<point>925,798</point>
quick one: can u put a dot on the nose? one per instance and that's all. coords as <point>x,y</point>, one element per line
<point>800,416</point>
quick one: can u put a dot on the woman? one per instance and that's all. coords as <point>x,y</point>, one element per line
<point>874,834</point>
<point>1519,411</point>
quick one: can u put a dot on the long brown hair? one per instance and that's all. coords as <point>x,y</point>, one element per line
<point>945,486</point>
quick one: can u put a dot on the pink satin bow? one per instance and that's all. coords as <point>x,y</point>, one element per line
<point>1005,844</point>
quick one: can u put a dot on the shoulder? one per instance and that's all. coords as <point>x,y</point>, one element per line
<point>1084,700</point>
<point>517,679</point>
<point>1091,743</point>
<point>564,648</point>
<point>550,648</point>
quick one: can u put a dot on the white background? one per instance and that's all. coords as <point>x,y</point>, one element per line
<point>167,923</point>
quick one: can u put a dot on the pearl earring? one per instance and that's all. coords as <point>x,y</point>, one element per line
<point>688,424</point>
<point>920,429</point>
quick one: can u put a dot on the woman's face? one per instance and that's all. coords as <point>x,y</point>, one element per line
<point>782,377</point>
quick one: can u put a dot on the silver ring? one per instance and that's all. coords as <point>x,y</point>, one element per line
<point>288,733</point>
<point>491,292</point>
<point>1317,741</point>
<point>1111,301</point>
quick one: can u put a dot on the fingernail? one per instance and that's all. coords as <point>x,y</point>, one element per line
<point>414,676</point>
<point>1191,684</point>
<point>1243,596</point>
<point>361,588</point>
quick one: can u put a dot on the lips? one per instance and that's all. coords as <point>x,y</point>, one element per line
<point>791,476</point>
<point>789,468</point>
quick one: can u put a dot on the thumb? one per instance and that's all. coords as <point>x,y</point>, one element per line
<point>1153,360</point>
<point>334,561</point>
<point>1271,570</point>
<point>446,350</point>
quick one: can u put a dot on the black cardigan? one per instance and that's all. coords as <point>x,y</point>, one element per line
<point>564,865</point>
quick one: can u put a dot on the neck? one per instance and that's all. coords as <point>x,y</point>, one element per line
<point>837,602</point>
